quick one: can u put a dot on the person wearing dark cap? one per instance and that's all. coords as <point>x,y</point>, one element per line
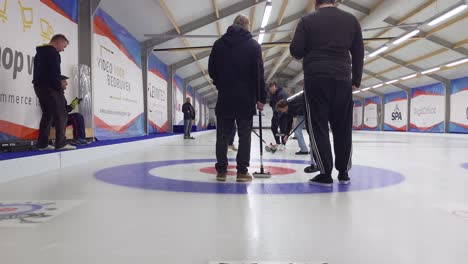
<point>75,120</point>
<point>329,41</point>
<point>48,88</point>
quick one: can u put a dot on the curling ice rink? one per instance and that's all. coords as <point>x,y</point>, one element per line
<point>407,204</point>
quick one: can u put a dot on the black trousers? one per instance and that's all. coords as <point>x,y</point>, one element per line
<point>53,111</point>
<point>223,134</point>
<point>77,121</point>
<point>330,101</point>
<point>233,134</point>
<point>283,122</point>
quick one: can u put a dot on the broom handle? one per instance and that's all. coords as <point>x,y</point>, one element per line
<point>261,140</point>
<point>294,130</point>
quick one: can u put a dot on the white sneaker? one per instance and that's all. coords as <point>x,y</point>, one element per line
<point>67,147</point>
<point>49,147</point>
<point>281,147</point>
<point>233,148</point>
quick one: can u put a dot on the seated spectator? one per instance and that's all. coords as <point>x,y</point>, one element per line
<point>76,120</point>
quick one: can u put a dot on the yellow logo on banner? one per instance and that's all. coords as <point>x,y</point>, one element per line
<point>47,31</point>
<point>26,16</point>
<point>3,15</point>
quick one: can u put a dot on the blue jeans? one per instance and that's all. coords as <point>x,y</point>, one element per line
<point>299,135</point>
<point>187,127</point>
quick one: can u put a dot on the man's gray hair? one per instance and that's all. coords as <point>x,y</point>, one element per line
<point>242,21</point>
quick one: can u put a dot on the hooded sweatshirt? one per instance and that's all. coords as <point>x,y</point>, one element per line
<point>236,67</point>
<point>47,68</point>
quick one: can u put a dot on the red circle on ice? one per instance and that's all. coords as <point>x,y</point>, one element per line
<point>274,170</point>
<point>8,210</point>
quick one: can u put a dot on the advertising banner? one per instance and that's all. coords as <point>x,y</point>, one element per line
<point>396,111</point>
<point>428,109</point>
<point>178,100</point>
<point>459,106</point>
<point>197,111</point>
<point>157,96</point>
<point>357,115</point>
<point>117,80</point>
<point>372,113</point>
<point>24,25</point>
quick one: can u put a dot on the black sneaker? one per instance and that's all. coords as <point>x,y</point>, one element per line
<point>322,180</point>
<point>343,178</point>
<point>311,169</point>
<point>191,138</point>
<point>302,153</point>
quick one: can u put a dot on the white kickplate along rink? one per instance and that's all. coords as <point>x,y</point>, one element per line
<point>266,262</point>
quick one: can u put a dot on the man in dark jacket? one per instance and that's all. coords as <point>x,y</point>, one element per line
<point>278,120</point>
<point>324,40</point>
<point>48,88</point>
<point>236,67</point>
<point>189,116</point>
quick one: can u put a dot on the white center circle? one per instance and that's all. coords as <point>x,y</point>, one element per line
<point>191,172</point>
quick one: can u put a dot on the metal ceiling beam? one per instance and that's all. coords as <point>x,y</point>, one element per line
<point>415,68</point>
<point>296,79</point>
<point>170,16</point>
<point>434,39</point>
<point>208,92</point>
<point>271,57</point>
<point>278,63</point>
<point>215,94</point>
<point>279,21</point>
<point>284,76</point>
<point>203,85</point>
<point>412,61</point>
<point>200,74</point>
<point>205,89</point>
<point>383,79</point>
<point>94,6</point>
<point>310,6</point>
<point>253,11</point>
<point>218,23</point>
<point>413,13</point>
<point>211,98</point>
<point>194,77</point>
<point>206,20</point>
<point>285,65</point>
<point>355,6</point>
<point>429,37</point>
<point>291,19</point>
<point>205,54</point>
<point>286,21</point>
<point>191,60</point>
<point>425,34</point>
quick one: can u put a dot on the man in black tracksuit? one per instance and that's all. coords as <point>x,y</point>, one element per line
<point>278,120</point>
<point>324,40</point>
<point>236,67</point>
<point>48,88</point>
<point>189,116</point>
